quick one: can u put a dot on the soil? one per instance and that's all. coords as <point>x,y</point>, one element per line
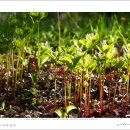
<point>40,100</point>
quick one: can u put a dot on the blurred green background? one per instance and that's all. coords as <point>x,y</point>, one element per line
<point>26,25</point>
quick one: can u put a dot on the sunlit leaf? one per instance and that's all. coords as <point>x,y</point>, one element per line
<point>60,49</point>
<point>76,60</point>
<point>70,108</point>
<point>67,60</point>
<point>88,60</point>
<point>125,77</point>
<point>38,15</point>
<point>59,112</point>
<point>71,50</point>
<point>105,47</point>
<point>52,56</point>
<point>99,48</point>
<point>82,41</point>
<point>88,44</point>
<point>43,59</point>
<point>96,37</point>
<point>128,55</point>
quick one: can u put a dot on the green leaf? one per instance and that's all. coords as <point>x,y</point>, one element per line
<point>45,50</point>
<point>88,44</point>
<point>96,37</point>
<point>99,48</point>
<point>120,64</point>
<point>71,50</point>
<point>43,59</point>
<point>128,55</point>
<point>59,112</point>
<point>100,71</point>
<point>24,62</point>
<point>28,50</point>
<point>105,47</point>
<point>34,13</point>
<point>19,31</point>
<point>70,108</point>
<point>111,53</point>
<point>92,66</point>
<point>27,31</point>
<point>125,77</point>
<point>42,15</point>
<point>52,56</point>
<point>19,43</point>
<point>128,46</point>
<point>88,60</point>
<point>82,41</point>
<point>14,21</point>
<point>1,58</point>
<point>3,104</point>
<point>60,49</point>
<point>66,60</point>
<point>76,60</point>
<point>38,15</point>
<point>34,77</point>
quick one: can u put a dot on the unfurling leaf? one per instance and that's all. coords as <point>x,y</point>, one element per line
<point>59,112</point>
<point>70,108</point>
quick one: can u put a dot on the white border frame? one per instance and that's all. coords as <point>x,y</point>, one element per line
<point>64,124</point>
<point>65,6</point>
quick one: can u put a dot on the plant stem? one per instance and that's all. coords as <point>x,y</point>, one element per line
<point>38,37</point>
<point>123,99</point>
<point>76,82</point>
<point>81,87</point>
<point>8,67</point>
<point>127,90</point>
<point>109,96</point>
<point>109,88</point>
<point>69,91</point>
<point>114,95</point>
<point>89,95</point>
<point>22,67</point>
<point>16,75</point>
<point>101,93</point>
<point>78,92</point>
<point>86,96</point>
<point>55,93</point>
<point>85,102</point>
<point>65,89</point>
<point>12,68</point>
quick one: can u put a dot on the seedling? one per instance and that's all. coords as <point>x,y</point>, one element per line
<point>65,114</point>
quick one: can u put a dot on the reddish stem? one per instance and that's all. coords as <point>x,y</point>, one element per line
<point>101,95</point>
<point>88,102</point>
<point>109,97</point>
